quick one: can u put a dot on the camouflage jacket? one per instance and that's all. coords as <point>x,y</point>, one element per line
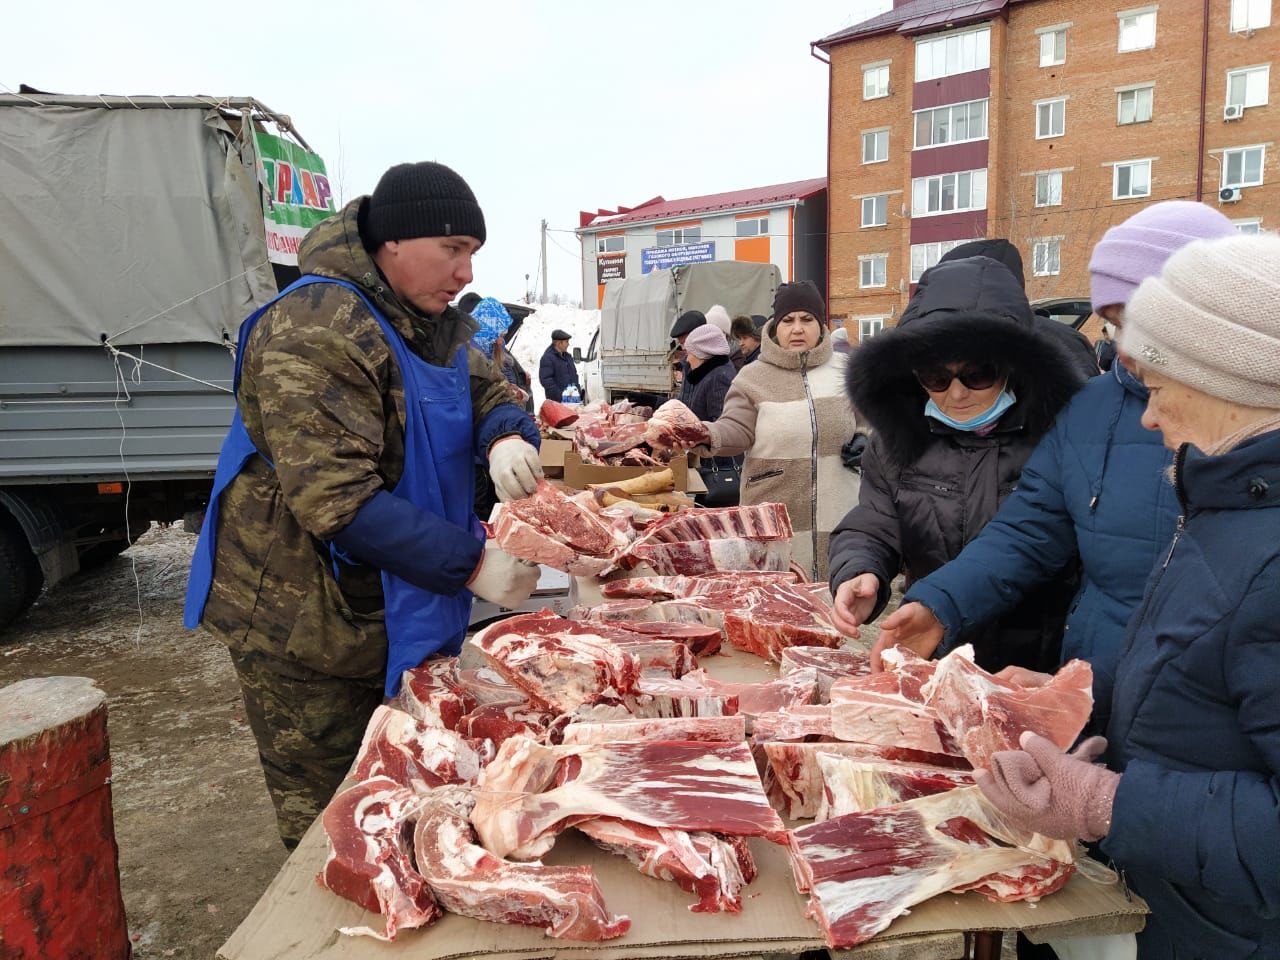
<point>321,397</point>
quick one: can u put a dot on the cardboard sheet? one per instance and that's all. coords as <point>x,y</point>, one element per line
<point>578,474</point>
<point>298,920</point>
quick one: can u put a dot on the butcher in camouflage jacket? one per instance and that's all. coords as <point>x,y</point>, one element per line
<point>322,398</point>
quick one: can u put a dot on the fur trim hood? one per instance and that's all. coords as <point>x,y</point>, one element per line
<point>971,309</point>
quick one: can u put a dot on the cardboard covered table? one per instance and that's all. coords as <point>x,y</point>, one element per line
<point>296,919</point>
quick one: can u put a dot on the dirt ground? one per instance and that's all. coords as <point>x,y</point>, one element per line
<point>195,826</point>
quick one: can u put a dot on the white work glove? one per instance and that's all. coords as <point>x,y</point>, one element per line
<point>515,468</point>
<point>502,579</point>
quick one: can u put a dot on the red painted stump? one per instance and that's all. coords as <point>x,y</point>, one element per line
<point>59,881</point>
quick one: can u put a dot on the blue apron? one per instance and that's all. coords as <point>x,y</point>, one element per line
<point>439,477</point>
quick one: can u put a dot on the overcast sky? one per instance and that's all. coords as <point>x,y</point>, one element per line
<point>545,108</point>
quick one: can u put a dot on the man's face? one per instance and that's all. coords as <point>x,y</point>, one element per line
<point>428,272</point>
<point>561,345</point>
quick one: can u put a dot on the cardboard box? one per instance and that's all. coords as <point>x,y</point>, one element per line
<point>298,920</point>
<point>552,454</point>
<point>578,474</point>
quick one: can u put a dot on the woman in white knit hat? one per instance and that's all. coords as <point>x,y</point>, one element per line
<point>1188,805</point>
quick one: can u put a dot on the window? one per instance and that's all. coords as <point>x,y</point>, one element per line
<point>1132,179</point>
<point>875,211</point>
<point>614,244</point>
<point>952,54</point>
<point>875,81</point>
<point>872,270</point>
<point>1137,30</point>
<point>1243,167</point>
<point>753,226</point>
<point>1051,118</point>
<point>953,124</point>
<point>1046,257</point>
<point>1250,15</point>
<point>1248,226</point>
<point>949,193</point>
<point>1248,87</point>
<point>678,235</point>
<point>926,255</point>
<point>1049,188</point>
<point>1053,47</point>
<point>868,327</point>
<point>1133,106</point>
<point>875,146</point>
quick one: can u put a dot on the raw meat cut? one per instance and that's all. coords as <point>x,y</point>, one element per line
<point>731,729</point>
<point>1031,882</point>
<point>715,868</point>
<point>554,529</point>
<point>368,863</point>
<point>832,664</point>
<point>857,784</point>
<point>884,708</point>
<point>468,880</point>
<point>865,869</point>
<point>986,713</point>
<point>762,521</point>
<point>416,755</point>
<point>434,693</point>
<point>556,414</point>
<point>486,685</point>
<point>498,722</point>
<point>695,557</point>
<point>780,615</point>
<point>684,697</point>
<point>677,587</point>
<point>629,608</point>
<point>702,640</point>
<point>674,427</point>
<point>530,791</point>
<point>557,662</point>
<point>797,724</point>
<point>796,782</point>
<point>768,696</point>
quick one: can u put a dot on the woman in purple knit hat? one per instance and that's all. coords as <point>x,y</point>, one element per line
<point>1094,487</point>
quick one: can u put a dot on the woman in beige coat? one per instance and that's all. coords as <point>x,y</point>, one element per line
<point>790,414</point>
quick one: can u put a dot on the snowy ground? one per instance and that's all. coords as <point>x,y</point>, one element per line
<point>535,336</point>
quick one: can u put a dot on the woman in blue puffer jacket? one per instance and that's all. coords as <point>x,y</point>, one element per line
<point>1188,805</point>
<point>1094,486</point>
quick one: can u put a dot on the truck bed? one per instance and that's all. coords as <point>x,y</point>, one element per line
<point>65,416</point>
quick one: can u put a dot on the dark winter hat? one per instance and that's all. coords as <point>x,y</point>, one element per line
<point>422,200</point>
<point>801,295</point>
<point>687,321</point>
<point>559,334</point>
<point>758,321</point>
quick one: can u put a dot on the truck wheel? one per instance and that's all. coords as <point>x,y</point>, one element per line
<point>20,576</point>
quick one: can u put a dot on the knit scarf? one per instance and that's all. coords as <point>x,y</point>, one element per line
<point>1255,429</point>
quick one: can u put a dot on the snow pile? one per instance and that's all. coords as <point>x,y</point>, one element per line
<point>534,337</point>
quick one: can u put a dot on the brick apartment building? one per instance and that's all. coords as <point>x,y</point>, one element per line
<point>1041,121</point>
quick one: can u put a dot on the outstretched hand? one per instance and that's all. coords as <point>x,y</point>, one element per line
<point>853,603</point>
<point>913,626</point>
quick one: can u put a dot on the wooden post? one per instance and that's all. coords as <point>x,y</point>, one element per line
<point>59,879</point>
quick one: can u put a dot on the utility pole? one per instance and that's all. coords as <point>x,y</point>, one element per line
<point>544,261</point>
<point>528,291</point>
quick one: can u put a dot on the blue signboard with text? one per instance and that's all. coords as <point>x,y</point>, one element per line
<point>662,258</point>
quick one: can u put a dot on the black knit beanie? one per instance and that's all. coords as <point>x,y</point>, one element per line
<point>801,295</point>
<point>422,200</point>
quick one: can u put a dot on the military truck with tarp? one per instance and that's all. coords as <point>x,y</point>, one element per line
<point>136,233</point>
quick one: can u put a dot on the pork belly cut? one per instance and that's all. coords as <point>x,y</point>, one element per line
<point>530,792</point>
<point>714,868</point>
<point>467,880</point>
<point>731,729</point>
<point>417,755</point>
<point>986,713</point>
<point>864,869</point>
<point>368,827</point>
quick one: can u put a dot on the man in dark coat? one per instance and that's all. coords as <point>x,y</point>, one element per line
<point>928,488</point>
<point>557,369</point>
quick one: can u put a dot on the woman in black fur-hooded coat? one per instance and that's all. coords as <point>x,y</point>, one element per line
<point>929,485</point>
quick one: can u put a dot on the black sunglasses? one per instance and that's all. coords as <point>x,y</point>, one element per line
<point>975,376</point>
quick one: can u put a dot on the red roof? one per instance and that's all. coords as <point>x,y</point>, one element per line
<point>918,16</point>
<point>660,209</point>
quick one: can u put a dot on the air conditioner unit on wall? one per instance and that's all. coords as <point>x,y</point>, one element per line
<point>1230,195</point>
<point>1233,111</point>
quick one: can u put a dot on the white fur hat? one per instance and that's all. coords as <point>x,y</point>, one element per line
<point>718,316</point>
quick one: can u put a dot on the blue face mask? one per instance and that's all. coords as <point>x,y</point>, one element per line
<point>987,417</point>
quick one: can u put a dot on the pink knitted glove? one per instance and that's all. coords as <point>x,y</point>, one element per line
<point>1059,795</point>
